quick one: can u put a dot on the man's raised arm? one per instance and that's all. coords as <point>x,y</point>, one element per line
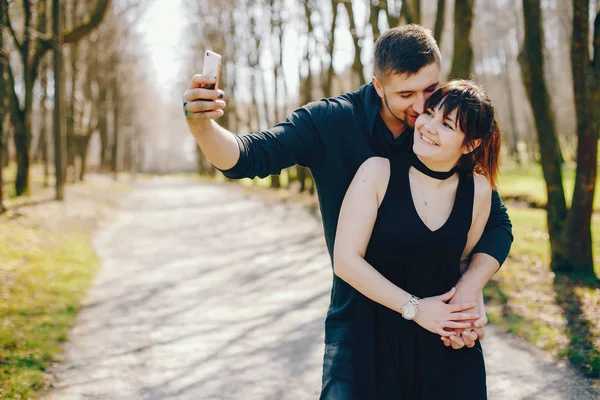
<point>201,106</point>
<point>295,141</point>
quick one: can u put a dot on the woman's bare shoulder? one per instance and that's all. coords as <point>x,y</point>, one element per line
<point>376,171</point>
<point>483,190</point>
<point>376,165</point>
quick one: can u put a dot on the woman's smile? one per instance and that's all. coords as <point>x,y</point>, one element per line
<point>427,140</point>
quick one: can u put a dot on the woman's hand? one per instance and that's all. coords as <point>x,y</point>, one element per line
<point>468,337</point>
<point>435,315</point>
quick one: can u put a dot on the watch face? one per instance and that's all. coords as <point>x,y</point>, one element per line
<point>409,312</point>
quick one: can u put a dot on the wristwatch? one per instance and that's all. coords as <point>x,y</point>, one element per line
<point>409,310</point>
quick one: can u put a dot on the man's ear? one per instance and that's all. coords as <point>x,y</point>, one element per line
<point>378,86</point>
<point>471,146</point>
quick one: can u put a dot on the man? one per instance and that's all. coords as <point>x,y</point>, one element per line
<point>333,137</point>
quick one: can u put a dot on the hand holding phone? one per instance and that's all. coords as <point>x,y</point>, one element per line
<point>211,68</point>
<point>202,100</point>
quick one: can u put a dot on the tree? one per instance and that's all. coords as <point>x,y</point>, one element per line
<point>586,85</point>
<point>328,84</point>
<point>439,21</point>
<point>357,66</point>
<point>3,97</point>
<point>569,230</point>
<point>411,11</point>
<point>531,59</point>
<point>59,139</point>
<point>462,61</point>
<point>31,49</point>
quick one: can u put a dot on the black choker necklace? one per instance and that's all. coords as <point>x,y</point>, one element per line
<point>418,164</point>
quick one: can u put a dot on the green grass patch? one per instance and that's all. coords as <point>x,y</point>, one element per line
<point>553,312</point>
<point>527,183</point>
<point>46,264</point>
<point>42,282</point>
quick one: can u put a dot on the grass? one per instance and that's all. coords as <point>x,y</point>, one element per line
<point>46,264</point>
<point>42,281</point>
<point>527,183</point>
<point>526,298</point>
<point>554,312</point>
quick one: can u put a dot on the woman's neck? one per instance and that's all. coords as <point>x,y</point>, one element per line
<point>429,182</point>
<point>436,170</point>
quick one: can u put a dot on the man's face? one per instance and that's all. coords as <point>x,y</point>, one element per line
<point>404,96</point>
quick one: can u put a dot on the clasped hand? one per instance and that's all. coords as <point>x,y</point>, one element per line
<point>457,324</point>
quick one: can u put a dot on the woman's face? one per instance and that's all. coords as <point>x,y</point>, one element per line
<point>437,140</point>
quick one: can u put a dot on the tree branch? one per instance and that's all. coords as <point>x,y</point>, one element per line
<point>40,28</point>
<point>87,27</point>
<point>13,33</point>
<point>75,34</point>
<point>11,82</point>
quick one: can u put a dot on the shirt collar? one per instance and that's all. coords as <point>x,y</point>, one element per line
<point>372,106</point>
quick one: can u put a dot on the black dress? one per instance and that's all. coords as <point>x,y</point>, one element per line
<point>395,358</point>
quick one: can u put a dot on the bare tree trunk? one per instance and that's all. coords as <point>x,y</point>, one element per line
<point>272,115</point>
<point>7,133</point>
<point>439,21</point>
<point>103,110</point>
<point>103,131</point>
<point>357,66</point>
<point>393,20</point>
<point>22,118</point>
<point>116,100</point>
<point>83,151</point>
<point>308,84</point>
<point>70,123</point>
<point>411,11</point>
<point>327,85</point>
<point>586,87</point>
<point>59,139</point>
<point>532,71</point>
<point>3,102</point>
<point>103,107</point>
<point>514,148</point>
<point>279,76</point>
<point>90,120</point>
<point>253,63</point>
<point>6,127</point>
<point>373,19</point>
<point>463,51</point>
<point>44,132</point>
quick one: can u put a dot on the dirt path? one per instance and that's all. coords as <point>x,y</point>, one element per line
<point>207,292</point>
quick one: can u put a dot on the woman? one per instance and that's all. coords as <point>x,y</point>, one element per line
<point>404,227</point>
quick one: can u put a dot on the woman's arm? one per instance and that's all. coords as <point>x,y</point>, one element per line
<point>355,225</point>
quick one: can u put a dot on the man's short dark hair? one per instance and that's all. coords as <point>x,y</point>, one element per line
<point>405,50</point>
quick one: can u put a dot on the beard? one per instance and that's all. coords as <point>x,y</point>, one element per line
<point>404,120</point>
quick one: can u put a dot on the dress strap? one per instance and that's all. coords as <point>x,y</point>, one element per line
<point>465,197</point>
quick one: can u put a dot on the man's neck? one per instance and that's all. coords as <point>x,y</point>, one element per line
<point>394,125</point>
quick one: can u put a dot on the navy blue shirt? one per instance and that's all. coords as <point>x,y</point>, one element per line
<point>333,137</point>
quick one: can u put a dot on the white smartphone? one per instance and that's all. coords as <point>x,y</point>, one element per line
<point>211,67</point>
